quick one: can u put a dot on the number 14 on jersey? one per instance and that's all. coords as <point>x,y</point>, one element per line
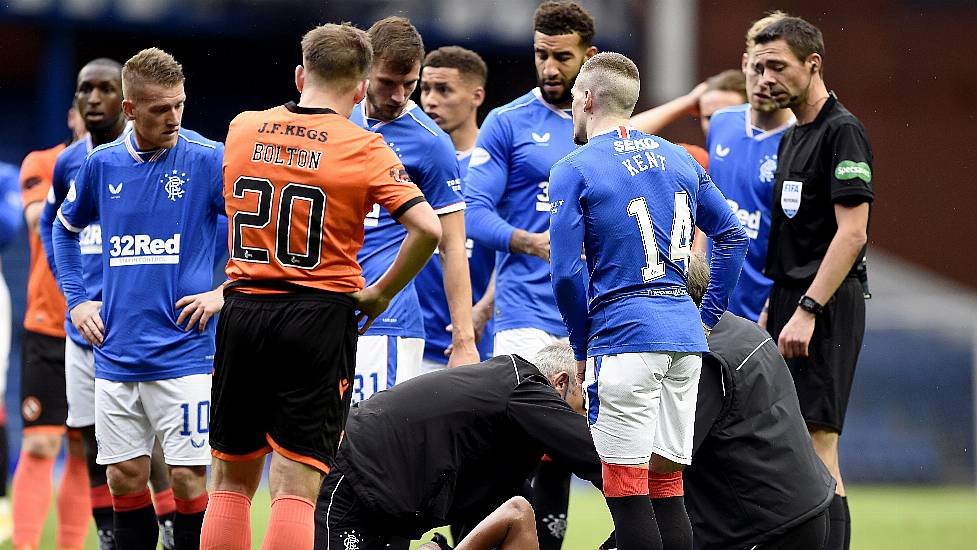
<point>680,241</point>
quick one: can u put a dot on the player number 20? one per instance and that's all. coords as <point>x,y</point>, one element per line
<point>680,246</point>
<point>260,218</point>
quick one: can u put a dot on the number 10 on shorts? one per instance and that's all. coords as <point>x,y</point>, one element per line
<point>202,421</point>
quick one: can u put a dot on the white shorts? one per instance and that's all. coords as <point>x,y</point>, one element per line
<point>430,366</point>
<point>79,365</point>
<point>642,403</point>
<point>382,361</point>
<point>130,416</point>
<point>525,342</point>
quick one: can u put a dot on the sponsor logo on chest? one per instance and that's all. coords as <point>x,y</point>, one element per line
<point>143,250</point>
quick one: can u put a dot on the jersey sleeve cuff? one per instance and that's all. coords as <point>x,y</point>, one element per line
<point>396,214</point>
<point>67,225</point>
<point>450,208</point>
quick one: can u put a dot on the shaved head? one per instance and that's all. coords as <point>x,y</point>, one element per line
<point>613,81</point>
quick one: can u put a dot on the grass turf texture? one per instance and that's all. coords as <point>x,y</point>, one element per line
<point>893,518</point>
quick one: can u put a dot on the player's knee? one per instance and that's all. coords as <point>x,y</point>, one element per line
<point>76,444</point>
<point>624,481</point>
<point>825,444</point>
<point>41,445</point>
<point>237,477</point>
<point>662,465</point>
<point>127,477</point>
<point>188,481</point>
<point>518,509</point>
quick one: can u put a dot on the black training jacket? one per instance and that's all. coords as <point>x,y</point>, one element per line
<point>754,473</point>
<point>456,443</point>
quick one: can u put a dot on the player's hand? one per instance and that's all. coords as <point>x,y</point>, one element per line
<point>87,319</point>
<point>480,318</point>
<point>464,354</point>
<point>796,336</point>
<point>694,96</point>
<point>581,371</point>
<point>533,244</point>
<point>199,308</point>
<point>370,302</point>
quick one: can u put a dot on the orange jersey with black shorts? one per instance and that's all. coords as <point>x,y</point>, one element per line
<point>45,303</point>
<point>298,183</point>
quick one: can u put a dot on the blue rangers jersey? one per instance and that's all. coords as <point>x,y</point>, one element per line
<point>434,303</point>
<point>507,188</point>
<point>631,200</point>
<point>429,158</point>
<point>65,170</point>
<point>742,163</point>
<point>159,213</point>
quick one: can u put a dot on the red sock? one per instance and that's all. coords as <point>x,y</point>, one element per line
<point>31,498</point>
<point>101,497</point>
<point>164,503</point>
<point>291,525</point>
<point>227,522</point>
<point>74,504</point>
<point>665,485</point>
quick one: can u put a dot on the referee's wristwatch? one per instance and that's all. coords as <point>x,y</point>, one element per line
<point>810,305</point>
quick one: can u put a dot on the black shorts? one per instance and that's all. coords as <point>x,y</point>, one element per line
<point>43,394</point>
<point>343,521</point>
<point>282,373</point>
<point>810,535</point>
<point>824,378</point>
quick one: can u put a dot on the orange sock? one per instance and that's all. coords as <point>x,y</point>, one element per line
<point>74,504</point>
<point>227,522</point>
<point>291,525</point>
<point>164,503</point>
<point>31,498</point>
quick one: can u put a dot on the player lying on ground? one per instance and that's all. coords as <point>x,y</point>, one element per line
<point>450,447</point>
<point>511,527</point>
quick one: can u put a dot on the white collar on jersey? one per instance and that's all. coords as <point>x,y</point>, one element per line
<point>764,134</point>
<point>564,113</point>
<point>366,119</point>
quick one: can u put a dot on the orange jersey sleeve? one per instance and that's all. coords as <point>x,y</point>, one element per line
<point>45,304</point>
<point>36,172</point>
<point>297,184</point>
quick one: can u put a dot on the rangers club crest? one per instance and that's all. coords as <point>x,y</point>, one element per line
<point>173,184</point>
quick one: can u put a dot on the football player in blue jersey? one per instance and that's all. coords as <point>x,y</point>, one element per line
<point>630,200</point>
<point>157,193</point>
<point>507,184</point>
<point>507,192</point>
<point>452,89</point>
<point>392,348</point>
<point>742,144</point>
<point>98,99</point>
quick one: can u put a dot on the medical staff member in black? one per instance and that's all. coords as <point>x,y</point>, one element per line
<point>452,446</point>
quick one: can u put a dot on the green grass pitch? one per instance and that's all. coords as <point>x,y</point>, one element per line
<point>891,518</point>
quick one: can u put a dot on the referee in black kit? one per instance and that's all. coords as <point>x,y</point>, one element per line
<point>818,230</point>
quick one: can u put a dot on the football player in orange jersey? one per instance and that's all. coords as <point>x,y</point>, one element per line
<point>298,181</point>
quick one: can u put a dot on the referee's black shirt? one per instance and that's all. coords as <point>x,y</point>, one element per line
<point>456,443</point>
<point>819,164</point>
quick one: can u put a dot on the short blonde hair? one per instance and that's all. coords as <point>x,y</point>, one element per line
<point>151,66</point>
<point>762,23</point>
<point>614,81</point>
<point>340,55</point>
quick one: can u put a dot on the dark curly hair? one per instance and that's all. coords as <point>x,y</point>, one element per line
<point>564,17</point>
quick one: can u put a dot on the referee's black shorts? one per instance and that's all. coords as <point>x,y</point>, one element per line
<point>824,378</point>
<point>282,373</point>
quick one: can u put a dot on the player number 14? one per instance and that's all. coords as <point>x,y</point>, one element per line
<point>680,246</point>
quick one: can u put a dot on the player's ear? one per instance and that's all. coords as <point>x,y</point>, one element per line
<point>361,89</point>
<point>128,109</point>
<point>478,96</point>
<point>299,78</point>
<point>746,59</point>
<point>591,52</point>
